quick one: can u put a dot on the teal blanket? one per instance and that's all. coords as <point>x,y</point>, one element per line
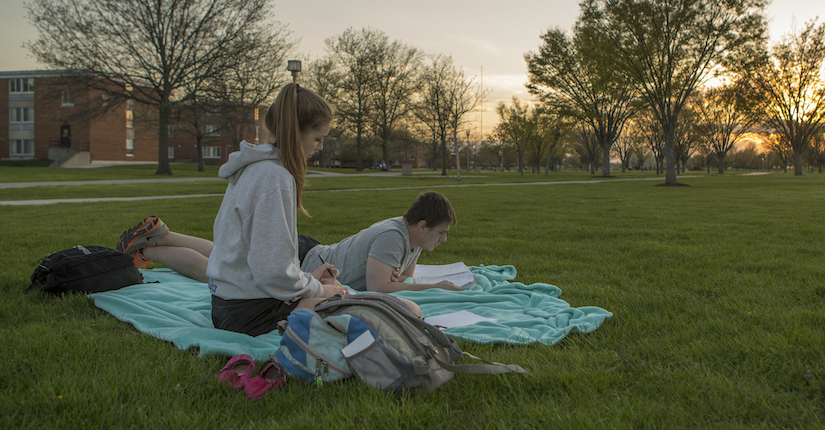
<point>177,309</point>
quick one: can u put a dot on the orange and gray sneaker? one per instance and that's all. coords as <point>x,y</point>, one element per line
<point>143,235</point>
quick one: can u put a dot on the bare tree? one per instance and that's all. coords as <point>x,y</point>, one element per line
<point>722,123</point>
<point>587,147</point>
<point>397,80</point>
<point>650,131</point>
<point>665,48</point>
<point>788,87</point>
<point>463,95</point>
<point>145,50</point>
<point>242,88</point>
<point>641,152</point>
<point>686,136</point>
<point>781,148</point>
<point>816,151</point>
<point>356,54</point>
<point>623,149</point>
<point>433,107</point>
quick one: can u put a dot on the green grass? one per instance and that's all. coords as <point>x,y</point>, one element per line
<point>315,183</point>
<point>717,290</point>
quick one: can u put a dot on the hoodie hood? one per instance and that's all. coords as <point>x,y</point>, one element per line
<point>248,154</point>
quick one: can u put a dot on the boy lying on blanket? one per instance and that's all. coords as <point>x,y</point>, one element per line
<point>379,258</point>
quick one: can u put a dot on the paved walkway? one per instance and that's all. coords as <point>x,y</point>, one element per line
<point>137,181</point>
<point>310,174</point>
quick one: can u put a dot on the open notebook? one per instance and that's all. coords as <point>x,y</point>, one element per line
<point>457,273</point>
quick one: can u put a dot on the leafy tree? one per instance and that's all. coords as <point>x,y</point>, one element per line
<point>665,48</point>
<point>518,126</point>
<point>787,86</point>
<point>567,78</point>
<point>554,129</point>
<point>145,50</point>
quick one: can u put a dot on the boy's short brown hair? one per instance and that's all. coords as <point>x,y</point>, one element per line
<point>433,208</point>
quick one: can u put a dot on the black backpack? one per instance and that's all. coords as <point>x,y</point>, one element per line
<point>87,269</point>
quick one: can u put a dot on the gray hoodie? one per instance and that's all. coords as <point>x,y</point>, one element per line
<point>255,236</point>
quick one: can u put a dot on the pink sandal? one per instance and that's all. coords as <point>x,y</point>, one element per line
<point>238,371</point>
<point>270,378</point>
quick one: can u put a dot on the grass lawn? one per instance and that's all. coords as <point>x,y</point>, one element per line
<point>717,290</point>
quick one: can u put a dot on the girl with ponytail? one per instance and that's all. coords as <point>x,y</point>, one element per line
<point>255,276</point>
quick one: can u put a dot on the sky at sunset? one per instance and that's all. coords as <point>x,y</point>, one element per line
<point>486,38</point>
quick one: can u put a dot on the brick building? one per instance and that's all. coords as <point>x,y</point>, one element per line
<point>50,120</point>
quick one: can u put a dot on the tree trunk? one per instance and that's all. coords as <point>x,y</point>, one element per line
<point>384,149</point>
<point>359,165</point>
<point>670,158</point>
<point>457,160</point>
<point>444,157</point>
<point>164,111</point>
<point>797,163</point>
<point>720,160</point>
<point>605,161</point>
<point>199,140</point>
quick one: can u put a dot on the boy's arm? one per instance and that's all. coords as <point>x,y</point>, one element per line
<point>379,279</point>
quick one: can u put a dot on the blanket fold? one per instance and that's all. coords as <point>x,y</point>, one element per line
<point>177,309</point>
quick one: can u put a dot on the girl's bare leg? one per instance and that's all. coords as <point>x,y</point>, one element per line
<point>187,255</point>
<point>201,245</point>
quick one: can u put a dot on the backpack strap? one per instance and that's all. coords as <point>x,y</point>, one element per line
<point>491,367</point>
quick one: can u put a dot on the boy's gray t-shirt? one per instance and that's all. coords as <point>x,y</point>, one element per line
<point>387,241</point>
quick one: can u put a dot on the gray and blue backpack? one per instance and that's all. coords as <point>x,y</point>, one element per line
<point>378,340</point>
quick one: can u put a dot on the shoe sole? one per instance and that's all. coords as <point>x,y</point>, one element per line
<point>141,235</point>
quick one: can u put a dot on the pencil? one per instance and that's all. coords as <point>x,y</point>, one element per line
<point>324,262</point>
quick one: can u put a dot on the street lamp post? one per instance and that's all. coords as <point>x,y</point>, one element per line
<point>457,160</point>
<point>468,151</point>
<point>294,66</point>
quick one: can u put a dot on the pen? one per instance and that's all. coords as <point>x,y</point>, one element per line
<point>324,262</point>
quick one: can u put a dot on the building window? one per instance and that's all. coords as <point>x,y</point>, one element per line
<point>171,151</point>
<point>211,152</point>
<point>130,147</point>
<point>211,130</point>
<point>130,114</point>
<point>21,85</point>
<point>66,98</point>
<point>171,130</point>
<point>21,148</point>
<point>21,114</point>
